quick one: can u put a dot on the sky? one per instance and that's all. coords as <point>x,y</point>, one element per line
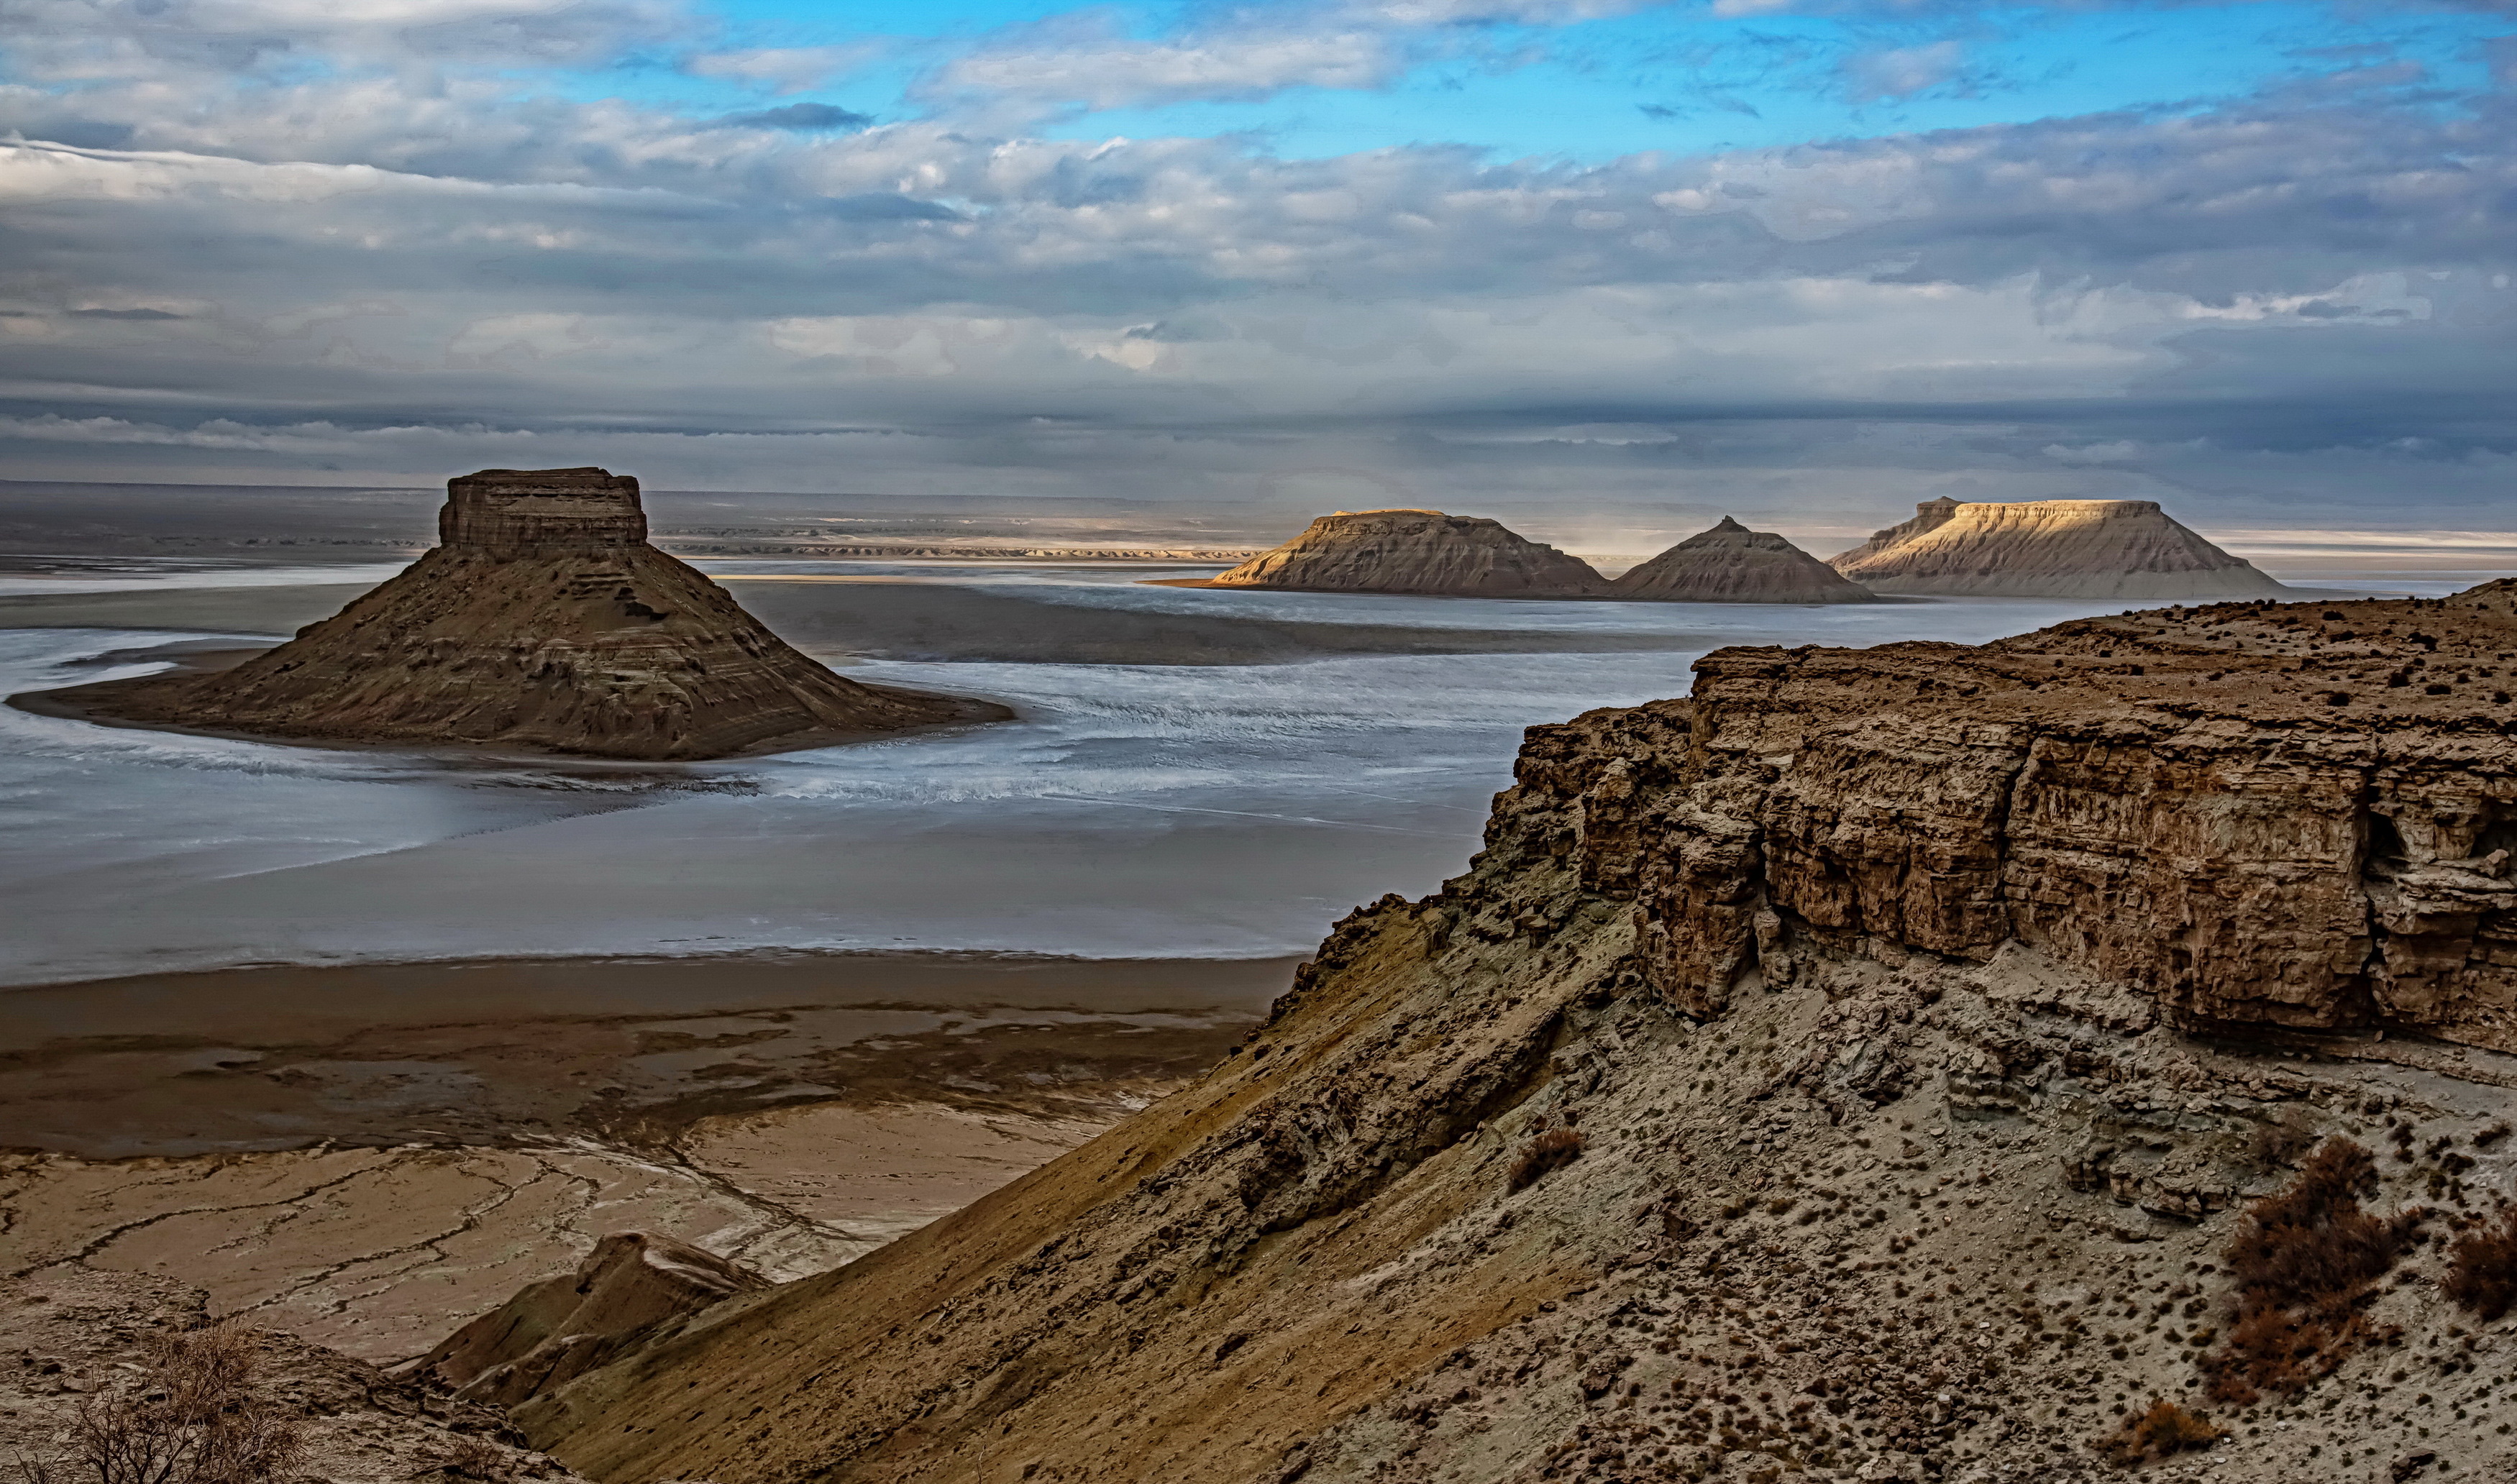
<point>1805,260</point>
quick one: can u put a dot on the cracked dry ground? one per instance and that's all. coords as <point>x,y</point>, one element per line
<point>458,1163</point>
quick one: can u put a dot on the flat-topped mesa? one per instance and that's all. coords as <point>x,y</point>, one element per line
<point>2048,549</point>
<point>1732,564</point>
<point>1419,552</point>
<point>510,512</point>
<point>546,622</point>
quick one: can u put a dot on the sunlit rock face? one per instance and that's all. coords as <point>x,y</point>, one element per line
<point>1417,551</point>
<point>1732,564</point>
<point>2048,549</point>
<point>544,623</point>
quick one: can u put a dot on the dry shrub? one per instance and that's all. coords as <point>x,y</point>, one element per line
<point>2482,1269</point>
<point>2305,1261</point>
<point>1548,1152</point>
<point>191,1418</point>
<point>2164,1430</point>
<point>477,1458</point>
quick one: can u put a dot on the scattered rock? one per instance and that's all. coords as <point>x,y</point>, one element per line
<point>349,1422</point>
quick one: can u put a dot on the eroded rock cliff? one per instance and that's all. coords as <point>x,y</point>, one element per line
<point>552,1332</point>
<point>1416,551</point>
<point>2048,549</point>
<point>543,621</point>
<point>1870,1067</point>
<point>1732,564</point>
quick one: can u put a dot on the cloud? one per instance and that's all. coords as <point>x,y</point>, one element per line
<point>338,253</point>
<point>1494,12</point>
<point>783,70</point>
<point>806,117</point>
<point>1900,72</point>
<point>1110,71</point>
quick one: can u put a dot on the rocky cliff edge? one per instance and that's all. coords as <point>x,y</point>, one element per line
<point>1927,1063</point>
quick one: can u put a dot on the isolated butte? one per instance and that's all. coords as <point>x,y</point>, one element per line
<point>543,621</point>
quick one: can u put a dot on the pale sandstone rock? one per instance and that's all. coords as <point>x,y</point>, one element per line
<point>1416,551</point>
<point>544,623</point>
<point>2048,549</point>
<point>1732,564</point>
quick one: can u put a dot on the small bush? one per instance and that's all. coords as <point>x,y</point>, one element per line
<point>2164,1430</point>
<point>476,1458</point>
<point>2482,1269</point>
<point>1548,1152</point>
<point>192,1418</point>
<point>2303,1261</point>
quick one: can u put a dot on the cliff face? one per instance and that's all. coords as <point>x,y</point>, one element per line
<point>1416,551</point>
<point>2298,816</point>
<point>545,621</point>
<point>2048,549</point>
<point>1855,1071</point>
<point>1732,564</point>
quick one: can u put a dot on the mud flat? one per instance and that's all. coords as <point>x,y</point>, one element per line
<point>367,1157</point>
<point>842,615</point>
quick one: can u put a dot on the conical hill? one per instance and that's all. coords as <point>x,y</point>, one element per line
<point>1732,564</point>
<point>1417,551</point>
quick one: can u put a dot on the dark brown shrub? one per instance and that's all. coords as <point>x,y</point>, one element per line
<point>476,1458</point>
<point>2303,1262</point>
<point>2482,1269</point>
<point>1545,1154</point>
<point>2164,1430</point>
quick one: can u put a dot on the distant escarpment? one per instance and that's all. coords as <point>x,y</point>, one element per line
<point>1732,564</point>
<point>544,622</point>
<point>1422,552</point>
<point>2049,549</point>
<point>1926,1063</point>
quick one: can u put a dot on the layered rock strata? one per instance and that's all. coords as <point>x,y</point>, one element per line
<point>557,1329</point>
<point>1732,564</point>
<point>542,621</point>
<point>1416,551</point>
<point>1855,1071</point>
<point>2048,549</point>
